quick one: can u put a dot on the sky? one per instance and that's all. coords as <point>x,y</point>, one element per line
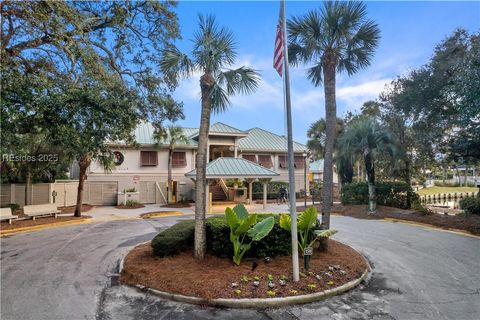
<point>409,33</point>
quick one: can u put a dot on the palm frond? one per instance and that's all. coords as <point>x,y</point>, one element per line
<point>219,98</point>
<point>214,47</point>
<point>242,80</point>
<point>175,64</point>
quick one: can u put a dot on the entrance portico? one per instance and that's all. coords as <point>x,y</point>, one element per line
<point>231,168</point>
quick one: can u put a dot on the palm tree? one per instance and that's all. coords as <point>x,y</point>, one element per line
<point>316,136</point>
<point>362,138</point>
<point>172,136</point>
<point>336,38</point>
<point>212,55</point>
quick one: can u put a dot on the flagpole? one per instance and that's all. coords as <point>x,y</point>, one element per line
<point>291,168</point>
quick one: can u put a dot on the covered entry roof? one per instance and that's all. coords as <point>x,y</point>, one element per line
<point>234,168</point>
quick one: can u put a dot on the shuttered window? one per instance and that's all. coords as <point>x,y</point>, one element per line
<point>179,160</point>
<point>283,161</point>
<point>265,161</point>
<point>250,157</point>
<point>148,158</point>
<point>299,162</point>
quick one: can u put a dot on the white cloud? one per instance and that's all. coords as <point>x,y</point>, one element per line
<point>353,96</point>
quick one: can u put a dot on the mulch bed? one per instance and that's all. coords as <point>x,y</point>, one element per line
<point>177,205</point>
<point>38,221</point>
<point>470,224</point>
<point>137,206</point>
<point>213,277</point>
<point>71,209</point>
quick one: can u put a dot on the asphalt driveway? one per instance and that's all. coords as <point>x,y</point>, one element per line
<point>72,273</point>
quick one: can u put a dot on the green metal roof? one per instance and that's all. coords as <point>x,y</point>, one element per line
<point>316,166</point>
<point>262,140</point>
<point>234,168</point>
<point>220,127</point>
<point>144,134</point>
<point>255,139</point>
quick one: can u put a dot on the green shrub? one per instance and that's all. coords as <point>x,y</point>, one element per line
<point>392,194</point>
<point>132,203</point>
<point>470,205</point>
<point>13,206</point>
<point>175,239</point>
<point>276,243</point>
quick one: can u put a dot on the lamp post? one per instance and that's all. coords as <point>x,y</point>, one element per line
<point>304,154</point>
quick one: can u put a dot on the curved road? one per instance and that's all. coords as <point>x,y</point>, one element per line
<point>71,273</point>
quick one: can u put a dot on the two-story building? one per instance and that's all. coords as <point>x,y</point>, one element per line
<point>145,167</point>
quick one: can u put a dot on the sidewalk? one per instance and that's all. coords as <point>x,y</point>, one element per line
<point>105,213</point>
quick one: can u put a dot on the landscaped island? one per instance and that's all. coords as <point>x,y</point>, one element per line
<point>249,256</point>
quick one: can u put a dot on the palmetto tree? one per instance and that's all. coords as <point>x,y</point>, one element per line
<point>212,56</point>
<point>336,38</point>
<point>316,136</point>
<point>363,137</point>
<point>172,136</point>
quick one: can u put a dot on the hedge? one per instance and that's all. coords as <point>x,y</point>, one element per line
<point>470,205</point>
<point>179,237</point>
<point>392,194</point>
<point>175,239</point>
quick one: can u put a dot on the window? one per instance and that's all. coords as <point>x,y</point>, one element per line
<point>299,162</point>
<point>148,158</point>
<point>283,161</point>
<point>179,160</point>
<point>265,161</point>
<point>250,157</point>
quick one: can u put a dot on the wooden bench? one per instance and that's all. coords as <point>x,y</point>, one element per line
<point>6,214</point>
<point>39,210</point>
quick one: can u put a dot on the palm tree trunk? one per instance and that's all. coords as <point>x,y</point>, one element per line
<point>170,183</point>
<point>331,121</point>
<point>369,167</point>
<point>83,163</point>
<point>206,84</point>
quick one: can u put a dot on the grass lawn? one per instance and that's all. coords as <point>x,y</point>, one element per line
<point>435,190</point>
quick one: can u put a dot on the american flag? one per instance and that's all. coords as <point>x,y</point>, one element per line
<point>279,46</point>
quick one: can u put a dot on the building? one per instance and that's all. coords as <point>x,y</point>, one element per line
<point>316,172</point>
<point>145,167</point>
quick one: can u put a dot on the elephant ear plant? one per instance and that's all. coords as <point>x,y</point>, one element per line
<point>306,221</point>
<point>244,229</point>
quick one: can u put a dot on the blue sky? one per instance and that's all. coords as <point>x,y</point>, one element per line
<point>409,33</point>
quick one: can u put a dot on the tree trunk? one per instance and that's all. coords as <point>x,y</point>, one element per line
<point>466,175</point>
<point>444,174</point>
<point>206,84</point>
<point>408,181</point>
<point>329,64</point>
<point>170,182</point>
<point>28,186</point>
<point>370,168</point>
<point>83,163</point>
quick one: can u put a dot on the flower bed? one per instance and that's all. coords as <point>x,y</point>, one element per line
<point>216,277</point>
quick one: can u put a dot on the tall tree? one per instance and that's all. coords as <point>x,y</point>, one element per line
<point>364,137</point>
<point>172,136</point>
<point>98,53</point>
<point>336,38</point>
<point>212,55</point>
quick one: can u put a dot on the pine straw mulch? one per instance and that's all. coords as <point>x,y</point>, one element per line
<point>16,224</point>
<point>178,205</point>
<point>470,224</point>
<point>212,277</point>
<point>136,206</point>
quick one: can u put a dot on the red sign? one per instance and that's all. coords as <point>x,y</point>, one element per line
<point>136,178</point>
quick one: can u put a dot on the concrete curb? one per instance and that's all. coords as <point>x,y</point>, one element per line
<point>9,232</point>
<point>254,303</point>
<point>432,227</point>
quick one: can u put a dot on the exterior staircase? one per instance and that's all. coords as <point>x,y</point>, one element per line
<point>217,193</point>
